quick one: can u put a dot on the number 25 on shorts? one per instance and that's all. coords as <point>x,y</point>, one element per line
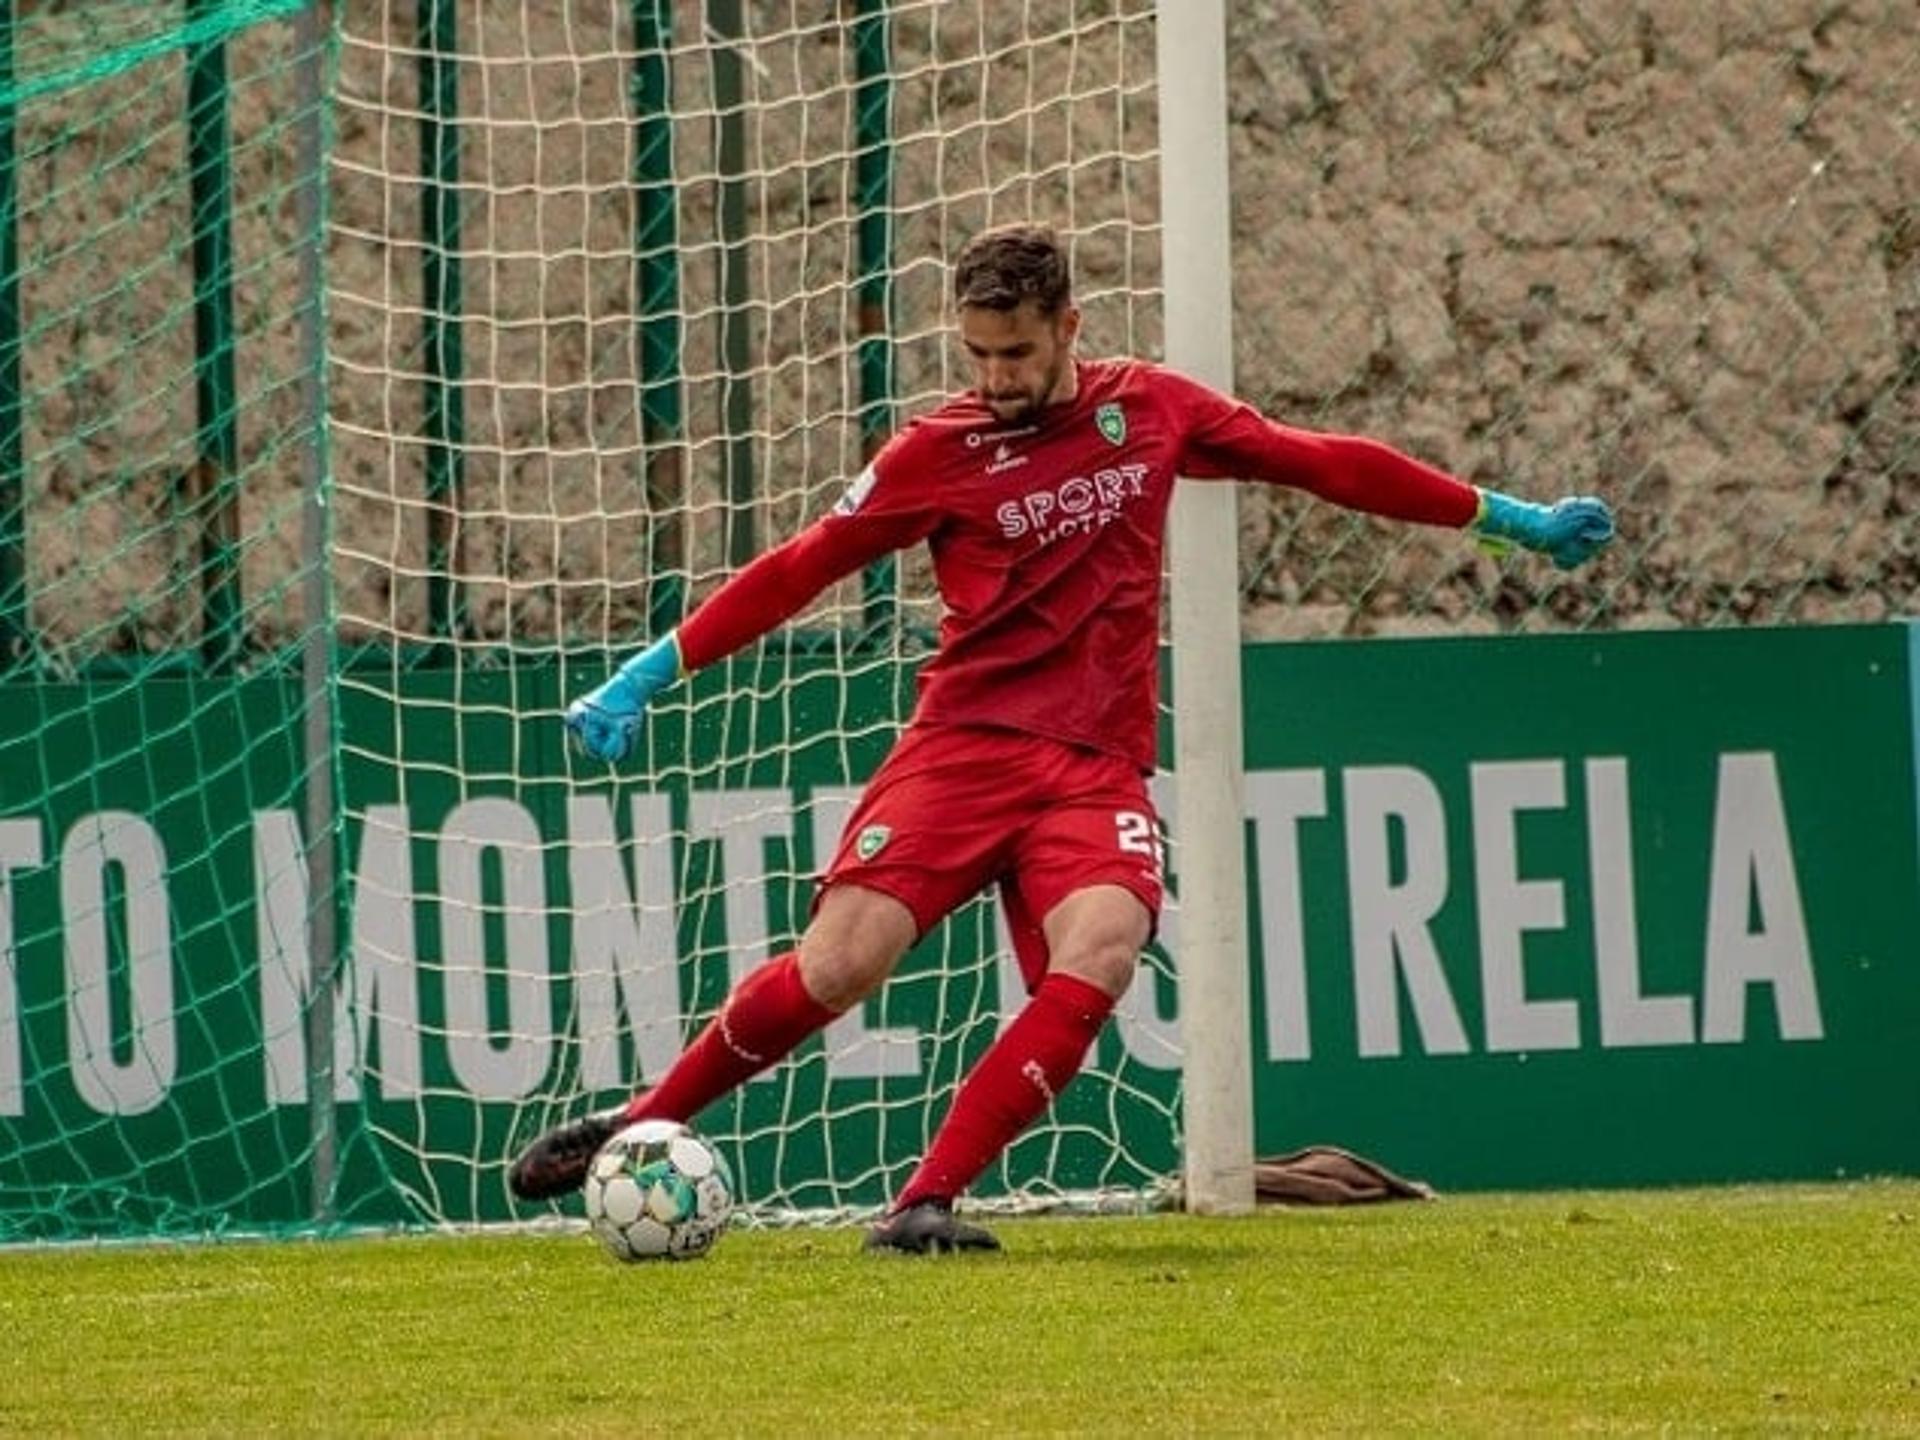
<point>1139,836</point>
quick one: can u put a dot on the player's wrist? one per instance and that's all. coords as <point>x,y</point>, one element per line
<point>1502,517</point>
<point>653,669</point>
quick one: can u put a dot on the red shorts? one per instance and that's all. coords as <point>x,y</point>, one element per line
<point>954,809</point>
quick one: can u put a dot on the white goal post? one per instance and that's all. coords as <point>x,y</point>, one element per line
<point>1217,1088</point>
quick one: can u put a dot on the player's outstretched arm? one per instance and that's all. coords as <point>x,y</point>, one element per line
<point>1569,532</point>
<point>606,722</point>
<point>1229,438</point>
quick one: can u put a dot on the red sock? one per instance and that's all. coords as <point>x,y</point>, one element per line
<point>1016,1079</point>
<point>766,1015</point>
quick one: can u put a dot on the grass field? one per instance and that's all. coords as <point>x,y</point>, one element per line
<point>1743,1309</point>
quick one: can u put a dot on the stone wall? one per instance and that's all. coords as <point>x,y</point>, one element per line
<point>1663,250</point>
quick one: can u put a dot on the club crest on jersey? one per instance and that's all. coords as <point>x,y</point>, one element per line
<point>872,841</point>
<point>1112,422</point>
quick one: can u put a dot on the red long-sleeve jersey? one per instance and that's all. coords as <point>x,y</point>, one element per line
<point>1047,541</point>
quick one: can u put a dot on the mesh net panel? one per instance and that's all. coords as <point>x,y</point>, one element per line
<point>160,427</point>
<point>702,263</point>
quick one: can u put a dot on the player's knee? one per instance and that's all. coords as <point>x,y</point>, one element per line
<point>852,946</point>
<point>1109,965</point>
<point>841,977</point>
<point>1097,934</point>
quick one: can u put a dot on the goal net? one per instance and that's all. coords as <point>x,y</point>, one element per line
<point>374,377</point>
<point>620,296</point>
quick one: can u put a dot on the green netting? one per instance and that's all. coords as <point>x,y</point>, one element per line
<point>159,327</point>
<point>167,231</point>
<point>59,45</point>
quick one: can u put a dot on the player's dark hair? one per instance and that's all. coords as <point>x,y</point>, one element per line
<point>999,268</point>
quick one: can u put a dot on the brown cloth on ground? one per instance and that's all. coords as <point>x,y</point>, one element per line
<point>1328,1175</point>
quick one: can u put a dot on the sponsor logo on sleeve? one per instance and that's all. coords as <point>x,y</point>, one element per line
<point>856,493</point>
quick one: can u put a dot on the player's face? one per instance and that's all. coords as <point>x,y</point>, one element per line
<point>1022,358</point>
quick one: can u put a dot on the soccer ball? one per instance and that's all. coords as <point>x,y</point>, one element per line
<point>658,1191</point>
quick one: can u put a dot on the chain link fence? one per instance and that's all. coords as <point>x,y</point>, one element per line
<point>1666,252</point>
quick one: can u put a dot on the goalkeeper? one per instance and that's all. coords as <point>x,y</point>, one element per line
<point>1042,494</point>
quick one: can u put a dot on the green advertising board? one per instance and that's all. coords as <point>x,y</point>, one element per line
<point>131,1029</point>
<point>527,934</point>
<point>1589,910</point>
<point>1560,911</point>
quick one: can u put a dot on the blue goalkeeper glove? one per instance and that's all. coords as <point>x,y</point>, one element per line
<point>1569,532</point>
<point>605,723</point>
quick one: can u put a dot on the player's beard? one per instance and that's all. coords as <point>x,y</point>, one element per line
<point>1028,404</point>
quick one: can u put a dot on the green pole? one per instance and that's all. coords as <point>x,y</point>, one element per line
<point>873,190</point>
<point>323,827</point>
<point>438,47</point>
<point>736,342</point>
<point>15,643</point>
<point>657,287</point>
<point>736,390</point>
<point>213,483</point>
